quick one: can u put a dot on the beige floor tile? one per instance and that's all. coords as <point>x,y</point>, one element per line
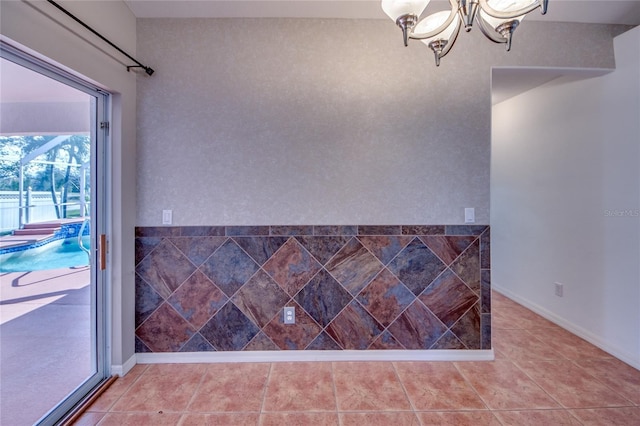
<point>518,317</point>
<point>503,386</point>
<point>571,385</point>
<point>231,387</point>
<point>162,387</point>
<point>626,416</point>
<point>89,419</point>
<point>396,418</point>
<point>569,345</point>
<point>298,419</point>
<point>517,345</point>
<point>368,386</point>
<point>116,390</point>
<point>437,386</point>
<point>537,418</point>
<point>539,368</point>
<point>139,419</point>
<point>300,386</point>
<point>458,418</point>
<point>614,373</point>
<point>218,419</point>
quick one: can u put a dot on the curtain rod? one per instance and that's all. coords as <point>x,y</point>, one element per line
<point>147,69</point>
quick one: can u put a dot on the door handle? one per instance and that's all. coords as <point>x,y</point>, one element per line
<point>103,252</point>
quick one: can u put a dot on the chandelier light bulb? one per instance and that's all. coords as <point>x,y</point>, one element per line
<point>497,20</point>
<point>404,13</point>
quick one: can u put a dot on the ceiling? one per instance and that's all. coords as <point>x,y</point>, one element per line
<point>589,11</point>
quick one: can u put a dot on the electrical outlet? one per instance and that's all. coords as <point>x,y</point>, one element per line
<point>289,315</point>
<point>559,289</point>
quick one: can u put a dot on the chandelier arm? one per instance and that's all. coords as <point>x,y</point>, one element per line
<point>489,33</point>
<point>542,4</point>
<point>451,41</point>
<point>453,15</point>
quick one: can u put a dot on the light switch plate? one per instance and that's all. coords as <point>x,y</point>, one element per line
<point>167,217</point>
<point>469,215</point>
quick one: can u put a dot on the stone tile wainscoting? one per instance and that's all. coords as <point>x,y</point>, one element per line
<point>223,288</point>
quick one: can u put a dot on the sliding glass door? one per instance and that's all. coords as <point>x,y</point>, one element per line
<point>53,298</point>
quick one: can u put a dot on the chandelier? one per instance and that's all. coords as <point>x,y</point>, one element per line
<point>497,19</point>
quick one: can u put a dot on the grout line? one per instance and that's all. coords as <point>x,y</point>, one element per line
<point>406,394</point>
<point>264,392</point>
<point>335,390</point>
<point>195,391</point>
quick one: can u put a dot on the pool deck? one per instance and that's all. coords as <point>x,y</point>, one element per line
<point>41,231</point>
<point>45,340</point>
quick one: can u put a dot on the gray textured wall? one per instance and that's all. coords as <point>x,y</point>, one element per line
<point>283,121</point>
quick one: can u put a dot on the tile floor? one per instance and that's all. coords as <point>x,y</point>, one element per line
<point>565,381</point>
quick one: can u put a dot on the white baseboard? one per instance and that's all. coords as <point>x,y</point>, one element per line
<point>298,356</point>
<point>577,330</point>
<point>123,369</point>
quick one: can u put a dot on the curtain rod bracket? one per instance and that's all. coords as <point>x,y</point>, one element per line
<point>147,69</point>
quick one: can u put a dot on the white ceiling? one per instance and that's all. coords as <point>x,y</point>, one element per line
<point>590,11</point>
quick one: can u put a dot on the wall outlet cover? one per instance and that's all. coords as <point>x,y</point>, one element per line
<point>289,315</point>
<point>559,289</point>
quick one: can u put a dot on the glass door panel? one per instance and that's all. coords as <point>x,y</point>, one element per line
<point>52,304</point>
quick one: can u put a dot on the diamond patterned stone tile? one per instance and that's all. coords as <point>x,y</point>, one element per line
<point>229,267</point>
<point>199,290</point>
<point>197,344</point>
<point>467,266</point>
<point>417,327</point>
<point>323,298</point>
<point>293,336</point>
<point>416,266</point>
<point>385,247</point>
<point>165,330</point>
<point>485,290</point>
<point>485,249</point>
<point>448,341</point>
<point>448,297</point>
<point>447,248</point>
<point>386,341</point>
<point>198,249</point>
<point>323,248</point>
<point>260,248</point>
<point>147,300</point>
<point>165,268</point>
<point>292,266</point>
<point>385,297</point>
<point>144,246</point>
<point>323,343</point>
<point>229,329</point>
<point>354,266</point>
<point>260,298</point>
<point>467,329</point>
<point>261,343</point>
<point>140,347</point>
<point>354,327</point>
<point>198,299</point>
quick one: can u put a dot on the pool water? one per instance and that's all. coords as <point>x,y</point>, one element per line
<point>58,254</point>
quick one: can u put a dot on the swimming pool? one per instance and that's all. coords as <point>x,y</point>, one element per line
<point>64,253</point>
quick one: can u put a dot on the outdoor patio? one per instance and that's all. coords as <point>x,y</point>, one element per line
<point>45,340</point>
